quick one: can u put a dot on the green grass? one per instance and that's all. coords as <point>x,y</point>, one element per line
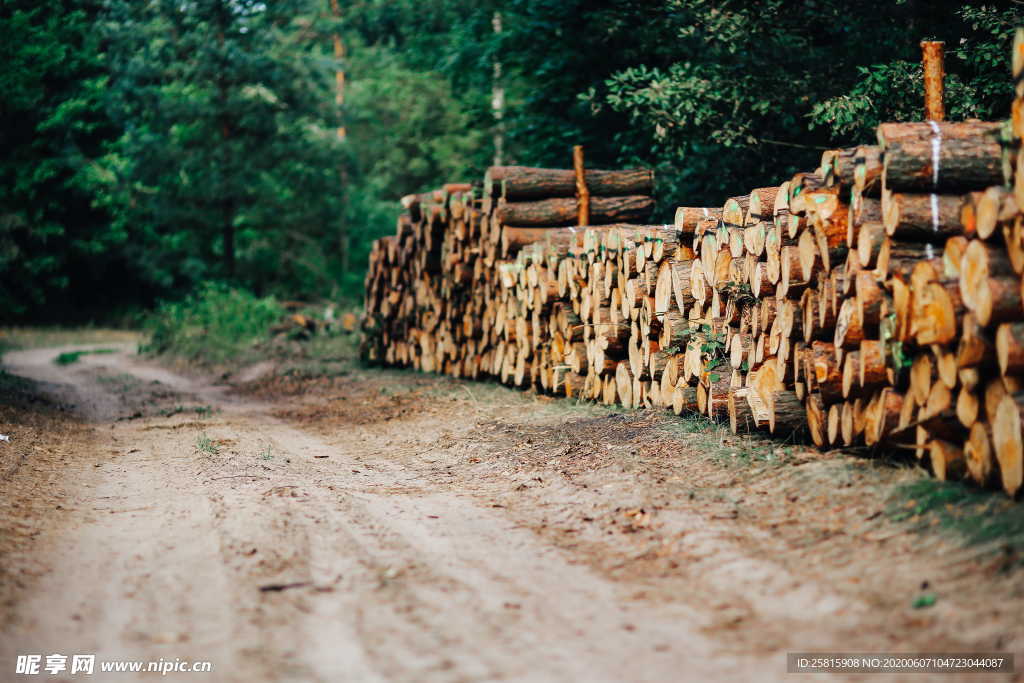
<point>215,325</point>
<point>978,518</point>
<point>717,441</point>
<point>70,357</point>
<point>229,328</point>
<point>204,444</point>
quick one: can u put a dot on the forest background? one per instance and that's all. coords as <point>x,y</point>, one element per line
<point>153,147</point>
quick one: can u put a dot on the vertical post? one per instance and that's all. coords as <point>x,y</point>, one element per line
<point>498,96</point>
<point>933,57</point>
<point>582,193</point>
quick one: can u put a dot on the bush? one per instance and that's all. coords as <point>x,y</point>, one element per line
<point>214,324</point>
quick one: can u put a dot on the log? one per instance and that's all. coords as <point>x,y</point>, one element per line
<point>995,206</point>
<point>947,460</point>
<point>933,157</point>
<point>870,238</point>
<point>882,416</point>
<point>938,313</point>
<point>816,419</point>
<point>828,376</point>
<point>521,182</point>
<point>968,406</point>
<point>867,171</point>
<point>848,423</point>
<point>786,416</point>
<point>1010,348</point>
<point>921,217</point>
<point>933,58</point>
<point>742,416</point>
<point>981,464</point>
<point>562,212</point>
<point>988,285</point>
<point>687,218</point>
<point>849,328</point>
<point>1006,438</point>
<point>684,398</point>
<point>975,347</point>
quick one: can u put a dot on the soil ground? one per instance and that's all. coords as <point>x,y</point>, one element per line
<point>387,525</point>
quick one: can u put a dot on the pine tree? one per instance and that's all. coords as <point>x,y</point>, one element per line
<point>229,142</point>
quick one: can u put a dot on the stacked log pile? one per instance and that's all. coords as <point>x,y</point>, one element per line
<point>475,282</point>
<point>875,301</point>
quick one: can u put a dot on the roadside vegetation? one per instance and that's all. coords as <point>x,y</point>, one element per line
<point>229,328</point>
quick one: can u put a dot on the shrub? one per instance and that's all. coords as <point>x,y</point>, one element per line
<point>214,324</point>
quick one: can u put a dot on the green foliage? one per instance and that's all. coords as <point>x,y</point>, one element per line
<point>216,324</point>
<point>887,92</point>
<point>713,352</point>
<point>229,163</point>
<point>146,140</point>
<point>51,123</point>
<point>771,86</point>
<point>408,132</point>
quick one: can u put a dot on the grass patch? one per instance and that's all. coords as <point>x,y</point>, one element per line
<point>204,444</point>
<point>705,436</point>
<point>70,357</point>
<point>228,328</point>
<point>977,517</point>
<point>215,325</point>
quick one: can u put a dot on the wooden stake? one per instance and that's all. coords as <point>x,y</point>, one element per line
<point>933,56</point>
<point>582,193</point>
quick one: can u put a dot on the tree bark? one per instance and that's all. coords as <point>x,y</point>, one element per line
<point>519,183</point>
<point>563,212</point>
<point>932,157</point>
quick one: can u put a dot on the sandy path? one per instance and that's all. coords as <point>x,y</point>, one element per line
<point>164,549</point>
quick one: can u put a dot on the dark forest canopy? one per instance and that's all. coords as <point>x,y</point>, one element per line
<point>153,145</point>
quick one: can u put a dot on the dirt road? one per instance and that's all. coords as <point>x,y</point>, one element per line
<point>391,526</point>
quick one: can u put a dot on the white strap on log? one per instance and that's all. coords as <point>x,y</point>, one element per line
<point>936,146</point>
<point>935,212</point>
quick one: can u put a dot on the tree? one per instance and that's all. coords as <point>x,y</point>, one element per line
<point>52,123</point>
<point>224,165</point>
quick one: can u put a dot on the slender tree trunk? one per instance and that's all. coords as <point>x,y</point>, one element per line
<point>498,98</point>
<point>339,101</point>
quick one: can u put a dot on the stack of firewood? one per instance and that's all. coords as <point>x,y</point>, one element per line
<point>470,283</point>
<point>875,301</point>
